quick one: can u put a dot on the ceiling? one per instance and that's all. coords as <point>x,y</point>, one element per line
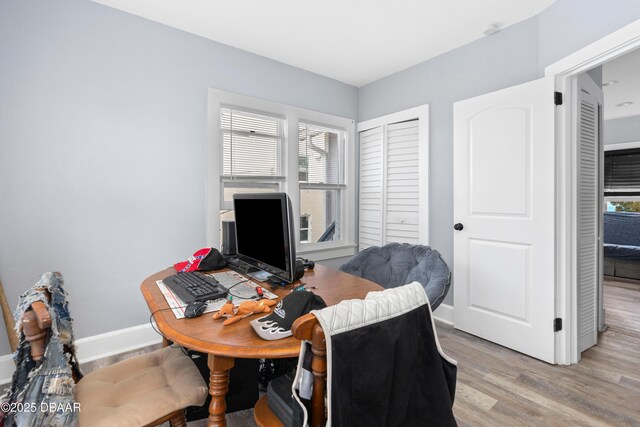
<point>353,41</point>
<point>625,70</point>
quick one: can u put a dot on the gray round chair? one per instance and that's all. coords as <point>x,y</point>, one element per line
<point>396,264</point>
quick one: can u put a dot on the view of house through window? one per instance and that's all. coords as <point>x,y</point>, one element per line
<point>321,176</point>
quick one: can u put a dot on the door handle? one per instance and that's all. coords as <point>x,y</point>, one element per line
<point>458,227</point>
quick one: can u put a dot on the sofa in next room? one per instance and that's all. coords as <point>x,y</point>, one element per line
<point>622,244</point>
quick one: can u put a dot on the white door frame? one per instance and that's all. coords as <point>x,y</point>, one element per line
<point>565,71</point>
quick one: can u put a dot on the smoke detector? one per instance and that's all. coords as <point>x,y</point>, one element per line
<point>491,29</point>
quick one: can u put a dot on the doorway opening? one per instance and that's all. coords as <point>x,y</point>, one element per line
<point>565,72</point>
<point>618,195</point>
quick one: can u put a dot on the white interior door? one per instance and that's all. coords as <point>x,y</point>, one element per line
<point>504,193</point>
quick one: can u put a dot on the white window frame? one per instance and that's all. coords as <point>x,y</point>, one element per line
<point>340,187</point>
<point>317,251</point>
<point>308,228</point>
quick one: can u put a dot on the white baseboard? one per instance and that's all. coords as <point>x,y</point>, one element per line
<point>98,346</point>
<point>123,340</point>
<point>6,368</point>
<point>444,313</point>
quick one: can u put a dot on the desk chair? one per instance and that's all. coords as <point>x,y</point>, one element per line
<point>305,328</point>
<point>146,390</point>
<point>396,264</point>
<point>390,340</point>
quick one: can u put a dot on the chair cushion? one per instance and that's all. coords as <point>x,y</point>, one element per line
<point>396,264</point>
<point>140,390</point>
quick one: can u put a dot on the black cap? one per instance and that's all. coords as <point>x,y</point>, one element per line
<point>278,324</point>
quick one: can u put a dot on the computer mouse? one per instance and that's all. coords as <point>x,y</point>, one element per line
<point>195,309</point>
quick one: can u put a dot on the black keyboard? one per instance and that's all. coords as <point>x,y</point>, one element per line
<point>194,286</point>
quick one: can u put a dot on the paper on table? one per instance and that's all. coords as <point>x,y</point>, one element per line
<point>178,306</point>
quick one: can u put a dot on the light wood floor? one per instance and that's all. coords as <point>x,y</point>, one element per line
<point>499,387</point>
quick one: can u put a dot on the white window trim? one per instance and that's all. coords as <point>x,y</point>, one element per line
<point>621,146</point>
<point>422,114</point>
<point>308,228</point>
<point>622,199</point>
<point>316,251</point>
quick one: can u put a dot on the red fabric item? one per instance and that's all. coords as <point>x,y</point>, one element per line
<point>194,261</point>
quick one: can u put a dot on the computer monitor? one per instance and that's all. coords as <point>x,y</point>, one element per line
<point>265,234</point>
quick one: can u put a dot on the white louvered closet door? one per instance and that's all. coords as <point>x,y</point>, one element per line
<point>402,179</point>
<point>390,185</point>
<point>370,188</point>
<point>588,213</point>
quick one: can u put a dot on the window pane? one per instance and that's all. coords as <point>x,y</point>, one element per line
<point>322,208</point>
<point>622,172</point>
<point>249,122</point>
<point>250,155</point>
<point>252,144</point>
<point>320,153</point>
<point>623,206</point>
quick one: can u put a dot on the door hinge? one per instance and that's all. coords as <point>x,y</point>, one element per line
<point>557,324</point>
<point>557,98</point>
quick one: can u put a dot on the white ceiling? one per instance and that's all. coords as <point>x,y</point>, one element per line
<point>353,41</point>
<point>626,71</point>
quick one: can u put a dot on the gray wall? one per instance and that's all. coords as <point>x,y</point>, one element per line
<point>102,156</point>
<point>621,130</point>
<point>102,133</point>
<point>515,55</point>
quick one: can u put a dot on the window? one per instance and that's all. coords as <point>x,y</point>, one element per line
<point>252,153</point>
<point>623,206</point>
<point>305,228</point>
<point>321,175</point>
<point>622,173</point>
<point>262,146</point>
<point>622,177</point>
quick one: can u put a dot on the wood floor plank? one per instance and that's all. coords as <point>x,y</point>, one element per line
<point>602,390</point>
<point>500,387</point>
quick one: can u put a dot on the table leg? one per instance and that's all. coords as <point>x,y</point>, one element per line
<point>218,386</point>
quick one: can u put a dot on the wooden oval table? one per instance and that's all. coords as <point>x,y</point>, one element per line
<point>224,344</point>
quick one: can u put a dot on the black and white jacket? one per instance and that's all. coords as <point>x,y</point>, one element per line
<point>385,366</point>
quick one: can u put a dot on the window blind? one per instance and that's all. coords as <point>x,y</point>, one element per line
<point>253,146</point>
<point>622,172</point>
<point>320,157</point>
